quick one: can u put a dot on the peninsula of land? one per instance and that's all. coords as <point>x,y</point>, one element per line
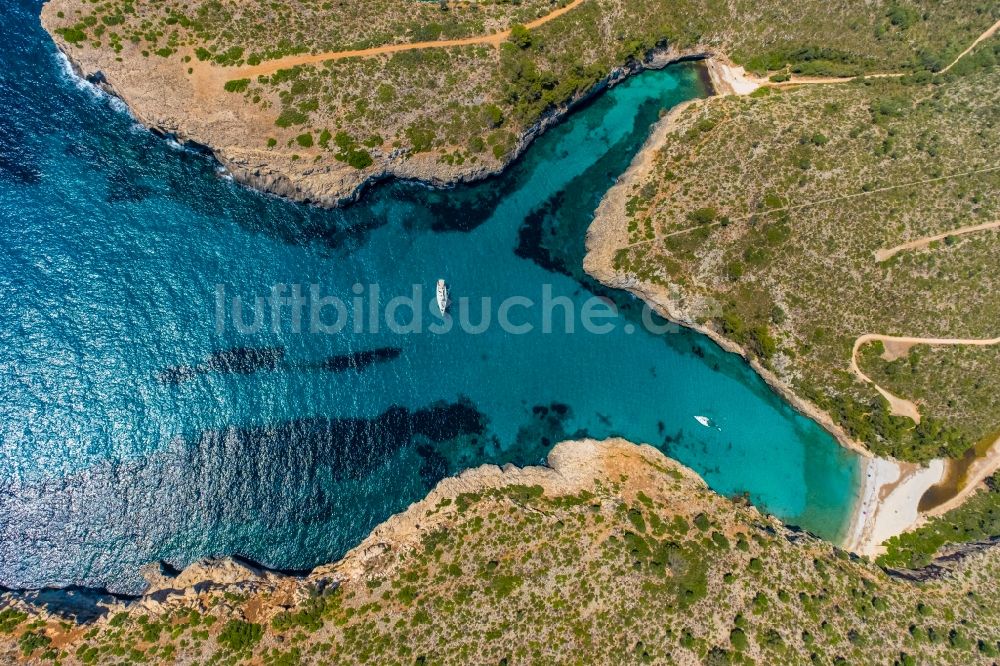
<point>612,553</point>
<point>759,217</point>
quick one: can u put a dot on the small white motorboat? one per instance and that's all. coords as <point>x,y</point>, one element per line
<point>442,297</point>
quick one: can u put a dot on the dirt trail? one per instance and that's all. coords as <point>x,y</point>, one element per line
<point>986,35</point>
<point>887,253</point>
<point>796,80</point>
<point>809,204</point>
<point>208,75</point>
<point>901,406</point>
<point>985,465</point>
<point>498,38</point>
<point>495,39</point>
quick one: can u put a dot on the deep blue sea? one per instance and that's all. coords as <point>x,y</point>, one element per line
<point>134,427</point>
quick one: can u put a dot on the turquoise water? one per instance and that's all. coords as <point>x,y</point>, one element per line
<point>125,441</point>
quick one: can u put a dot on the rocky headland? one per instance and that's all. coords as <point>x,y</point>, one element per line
<point>186,100</point>
<point>611,552</point>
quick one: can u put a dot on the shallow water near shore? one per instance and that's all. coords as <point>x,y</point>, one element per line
<point>132,431</point>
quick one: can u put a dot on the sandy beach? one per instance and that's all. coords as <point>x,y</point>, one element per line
<point>730,79</point>
<point>887,504</point>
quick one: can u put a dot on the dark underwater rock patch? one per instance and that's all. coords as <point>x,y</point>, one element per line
<point>536,234</point>
<point>97,526</point>
<point>124,186</point>
<point>360,360</point>
<point>239,360</point>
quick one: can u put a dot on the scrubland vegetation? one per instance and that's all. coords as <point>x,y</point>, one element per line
<point>467,106</point>
<point>634,561</point>
<point>770,209</point>
<point>954,383</point>
<point>232,32</point>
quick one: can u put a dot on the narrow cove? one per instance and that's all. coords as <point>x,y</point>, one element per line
<point>291,458</point>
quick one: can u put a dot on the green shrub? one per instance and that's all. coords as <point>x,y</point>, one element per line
<point>421,138</point>
<point>902,17</point>
<point>635,517</point>
<point>237,85</point>
<point>359,158</point>
<point>33,640</point>
<point>231,56</point>
<point>706,125</point>
<point>703,215</point>
<point>72,35</point>
<point>291,117</point>
<point>520,36</point>
<point>492,115</point>
<point>305,140</point>
<point>772,200</point>
<point>720,540</point>
<point>477,144</point>
<point>308,617</point>
<point>761,342</point>
<point>238,635</point>
<point>10,619</point>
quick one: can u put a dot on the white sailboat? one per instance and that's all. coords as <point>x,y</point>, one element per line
<point>442,297</point>
<point>707,422</point>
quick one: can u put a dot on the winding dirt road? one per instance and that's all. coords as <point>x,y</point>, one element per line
<point>890,252</point>
<point>901,406</point>
<point>984,465</point>
<point>495,39</point>
<point>794,80</point>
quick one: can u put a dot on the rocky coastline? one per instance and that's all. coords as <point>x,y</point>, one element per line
<point>223,584</point>
<point>570,467</point>
<point>210,129</point>
<point>437,574</point>
<point>608,232</point>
